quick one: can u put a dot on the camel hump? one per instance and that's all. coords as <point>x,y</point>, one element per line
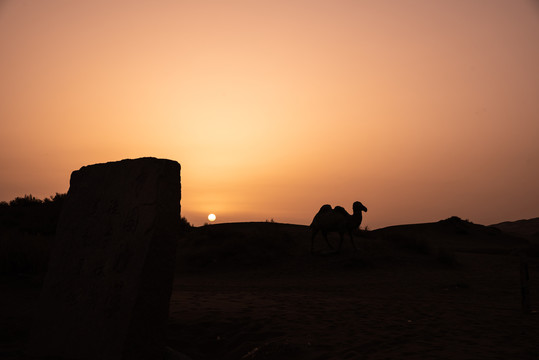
<point>325,208</point>
<point>341,210</point>
<point>324,212</point>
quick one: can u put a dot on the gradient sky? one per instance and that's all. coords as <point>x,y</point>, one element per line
<point>421,109</point>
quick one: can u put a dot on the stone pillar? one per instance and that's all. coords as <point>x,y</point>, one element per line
<point>108,285</point>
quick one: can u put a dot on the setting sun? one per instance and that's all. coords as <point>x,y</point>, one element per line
<point>212,217</point>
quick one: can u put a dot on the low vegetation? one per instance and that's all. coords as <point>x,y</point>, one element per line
<point>27,228</point>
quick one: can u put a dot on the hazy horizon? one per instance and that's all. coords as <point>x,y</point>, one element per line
<point>419,109</point>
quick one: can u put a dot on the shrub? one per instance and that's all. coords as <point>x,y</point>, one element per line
<point>184,224</point>
<point>27,227</point>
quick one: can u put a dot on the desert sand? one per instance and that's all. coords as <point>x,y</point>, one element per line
<point>445,290</point>
<point>449,290</point>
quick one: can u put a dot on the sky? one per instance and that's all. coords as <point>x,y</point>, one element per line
<point>420,109</point>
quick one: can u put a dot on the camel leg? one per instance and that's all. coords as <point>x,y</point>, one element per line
<point>342,239</point>
<point>352,240</point>
<point>312,240</point>
<point>326,237</point>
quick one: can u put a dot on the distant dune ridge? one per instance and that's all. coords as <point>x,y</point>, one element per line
<point>526,228</point>
<point>459,235</point>
<point>260,244</point>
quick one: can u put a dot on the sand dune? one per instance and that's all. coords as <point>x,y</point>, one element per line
<point>443,290</point>
<point>447,290</point>
<point>528,229</point>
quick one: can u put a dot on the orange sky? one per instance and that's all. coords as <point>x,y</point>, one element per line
<point>420,109</point>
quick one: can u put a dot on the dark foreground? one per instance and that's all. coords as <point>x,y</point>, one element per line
<point>253,291</point>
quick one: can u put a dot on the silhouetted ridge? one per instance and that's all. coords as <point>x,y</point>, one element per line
<point>528,228</point>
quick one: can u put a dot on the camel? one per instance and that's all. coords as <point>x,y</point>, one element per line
<point>337,220</point>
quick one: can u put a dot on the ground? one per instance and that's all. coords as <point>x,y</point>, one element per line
<point>254,291</point>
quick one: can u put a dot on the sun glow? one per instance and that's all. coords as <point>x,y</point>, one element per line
<point>212,217</point>
<point>251,98</point>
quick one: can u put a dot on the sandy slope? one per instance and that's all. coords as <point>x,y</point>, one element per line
<point>408,293</point>
<point>446,290</point>
<point>528,229</point>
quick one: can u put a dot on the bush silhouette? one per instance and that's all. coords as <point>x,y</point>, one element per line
<point>27,227</point>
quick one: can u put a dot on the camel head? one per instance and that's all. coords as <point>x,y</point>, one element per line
<point>358,207</point>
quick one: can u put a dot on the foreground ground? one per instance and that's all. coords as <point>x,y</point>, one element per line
<point>367,314</point>
<point>389,300</point>
<point>254,291</point>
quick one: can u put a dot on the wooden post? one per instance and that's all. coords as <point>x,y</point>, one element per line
<point>525,284</point>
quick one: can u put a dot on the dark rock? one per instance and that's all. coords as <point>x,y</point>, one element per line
<point>107,290</point>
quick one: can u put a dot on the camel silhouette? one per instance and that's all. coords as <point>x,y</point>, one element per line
<point>337,220</point>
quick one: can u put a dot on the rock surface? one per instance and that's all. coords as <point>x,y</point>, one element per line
<point>107,290</point>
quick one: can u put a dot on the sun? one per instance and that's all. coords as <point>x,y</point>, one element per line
<point>212,217</point>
